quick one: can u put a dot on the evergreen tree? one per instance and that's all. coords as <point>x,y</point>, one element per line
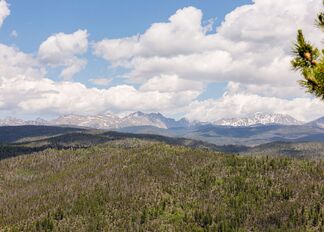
<point>310,62</point>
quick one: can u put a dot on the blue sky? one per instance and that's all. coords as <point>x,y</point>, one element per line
<point>89,57</point>
<point>35,20</point>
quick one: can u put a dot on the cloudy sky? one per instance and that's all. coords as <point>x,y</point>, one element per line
<point>202,59</point>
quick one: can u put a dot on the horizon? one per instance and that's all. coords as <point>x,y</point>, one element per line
<point>203,61</point>
<point>125,115</point>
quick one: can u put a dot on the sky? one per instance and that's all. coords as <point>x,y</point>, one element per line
<point>203,59</point>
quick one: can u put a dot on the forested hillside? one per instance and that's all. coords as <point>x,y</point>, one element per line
<point>138,185</point>
<point>304,150</point>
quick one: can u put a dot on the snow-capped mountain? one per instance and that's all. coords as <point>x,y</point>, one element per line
<point>102,121</point>
<point>157,120</point>
<point>259,119</point>
<point>110,121</point>
<point>10,121</point>
<point>142,119</point>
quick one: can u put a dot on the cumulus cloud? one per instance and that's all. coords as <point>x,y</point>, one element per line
<point>252,46</point>
<point>14,62</point>
<point>63,50</point>
<point>43,96</point>
<point>269,21</point>
<point>242,105</point>
<point>280,91</point>
<point>183,34</point>
<point>24,89</point>
<point>171,84</point>
<point>4,11</point>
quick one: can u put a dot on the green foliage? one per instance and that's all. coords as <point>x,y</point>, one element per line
<point>138,185</point>
<point>310,62</point>
<point>302,150</point>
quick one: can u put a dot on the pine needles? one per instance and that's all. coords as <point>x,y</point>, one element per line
<point>309,60</point>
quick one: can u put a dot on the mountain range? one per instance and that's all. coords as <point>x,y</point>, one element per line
<point>110,121</point>
<point>258,129</point>
<point>260,119</point>
<point>104,121</point>
<point>20,140</point>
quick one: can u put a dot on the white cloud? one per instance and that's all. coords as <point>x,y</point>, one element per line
<point>73,66</point>
<point>242,105</point>
<point>264,90</point>
<point>116,49</point>
<point>183,34</point>
<point>268,22</point>
<point>63,50</point>
<point>13,62</point>
<point>29,95</point>
<point>198,67</point>
<point>252,46</point>
<point>4,11</point>
<point>24,89</point>
<point>171,84</point>
<point>101,81</point>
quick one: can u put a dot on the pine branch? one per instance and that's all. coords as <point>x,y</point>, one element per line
<point>310,62</point>
<point>305,53</point>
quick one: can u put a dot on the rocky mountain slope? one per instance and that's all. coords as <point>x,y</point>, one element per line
<point>257,130</point>
<point>110,121</point>
<point>259,119</point>
<point>105,121</point>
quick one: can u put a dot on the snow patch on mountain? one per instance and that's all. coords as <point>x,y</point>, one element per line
<point>104,121</point>
<point>110,121</point>
<point>259,119</point>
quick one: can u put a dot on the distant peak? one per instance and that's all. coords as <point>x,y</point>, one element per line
<point>137,113</point>
<point>259,118</point>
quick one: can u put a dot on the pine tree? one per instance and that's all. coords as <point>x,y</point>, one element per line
<point>310,62</point>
